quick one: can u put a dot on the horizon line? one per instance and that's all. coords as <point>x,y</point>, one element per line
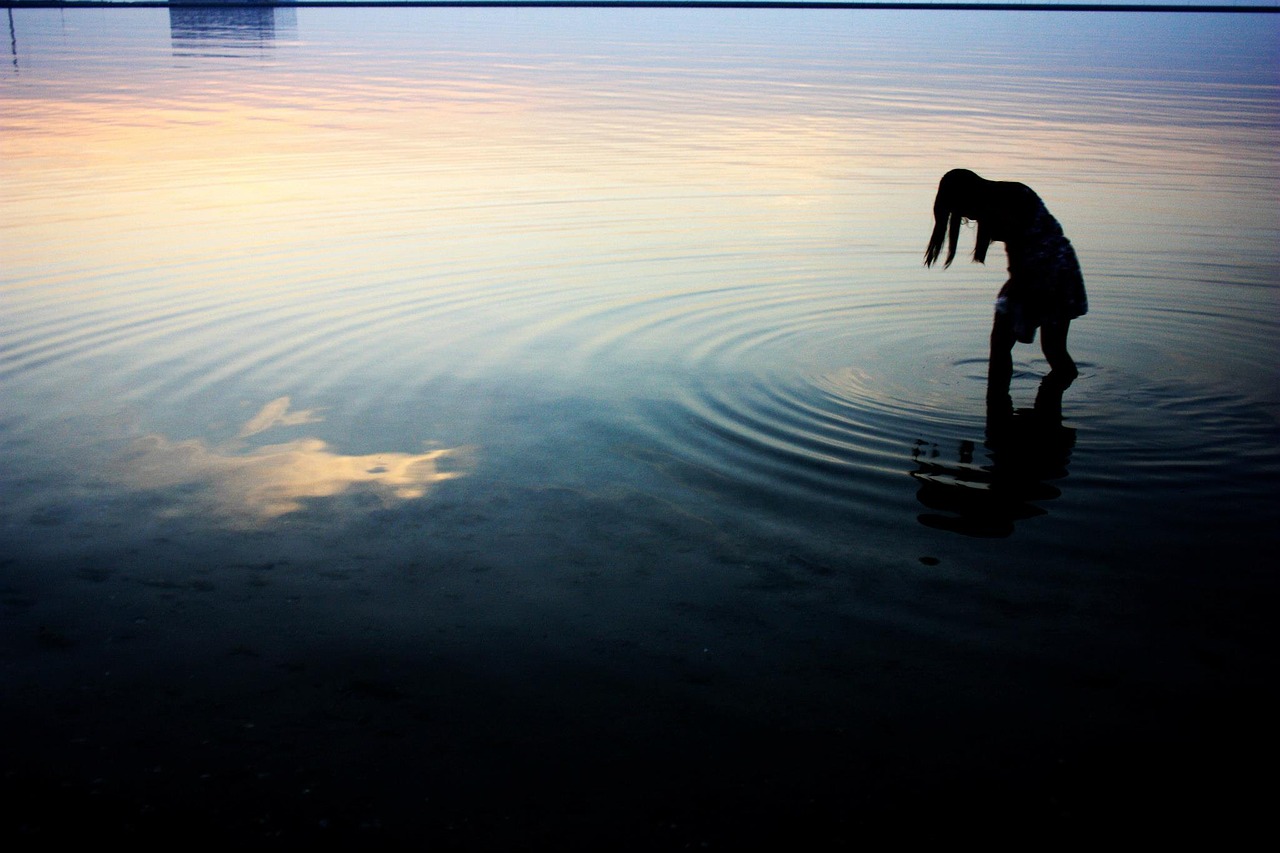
<point>837,5</point>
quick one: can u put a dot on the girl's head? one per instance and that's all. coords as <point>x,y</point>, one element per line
<point>961,195</point>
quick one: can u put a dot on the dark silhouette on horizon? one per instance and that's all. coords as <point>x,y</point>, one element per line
<point>206,28</point>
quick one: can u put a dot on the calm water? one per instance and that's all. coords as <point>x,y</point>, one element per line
<point>537,427</point>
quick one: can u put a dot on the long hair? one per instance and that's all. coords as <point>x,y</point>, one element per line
<point>958,190</point>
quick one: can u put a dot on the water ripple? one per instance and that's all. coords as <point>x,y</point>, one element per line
<point>715,237</point>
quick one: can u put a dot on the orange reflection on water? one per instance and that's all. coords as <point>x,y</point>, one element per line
<point>248,487</point>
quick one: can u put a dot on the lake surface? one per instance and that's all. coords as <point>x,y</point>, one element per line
<point>537,429</point>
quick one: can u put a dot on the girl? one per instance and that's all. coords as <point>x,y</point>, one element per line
<point>1045,289</point>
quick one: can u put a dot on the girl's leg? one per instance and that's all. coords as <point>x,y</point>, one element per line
<point>1053,341</point>
<point>1000,365</point>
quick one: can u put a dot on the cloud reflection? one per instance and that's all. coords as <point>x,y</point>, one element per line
<point>276,413</point>
<point>250,486</point>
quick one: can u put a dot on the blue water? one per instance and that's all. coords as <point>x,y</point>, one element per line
<point>538,429</point>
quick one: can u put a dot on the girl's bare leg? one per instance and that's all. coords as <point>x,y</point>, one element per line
<point>1053,341</point>
<point>1000,365</point>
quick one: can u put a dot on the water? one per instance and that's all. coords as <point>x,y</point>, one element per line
<point>537,427</point>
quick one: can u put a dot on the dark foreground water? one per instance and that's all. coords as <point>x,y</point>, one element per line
<point>536,429</point>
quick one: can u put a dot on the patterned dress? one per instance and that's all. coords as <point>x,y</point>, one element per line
<point>1045,283</point>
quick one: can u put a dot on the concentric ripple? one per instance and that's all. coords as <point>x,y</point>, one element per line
<point>803,393</point>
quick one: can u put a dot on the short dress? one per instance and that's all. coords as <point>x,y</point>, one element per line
<point>1045,283</point>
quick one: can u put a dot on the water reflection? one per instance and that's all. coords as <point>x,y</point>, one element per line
<point>247,486</point>
<point>13,40</point>
<point>207,29</point>
<point>1027,450</point>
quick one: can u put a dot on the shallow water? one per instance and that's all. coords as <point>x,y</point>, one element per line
<point>461,415</point>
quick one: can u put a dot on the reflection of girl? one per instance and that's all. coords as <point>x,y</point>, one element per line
<point>1045,289</point>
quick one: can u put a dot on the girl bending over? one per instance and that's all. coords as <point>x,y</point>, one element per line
<point>1045,289</point>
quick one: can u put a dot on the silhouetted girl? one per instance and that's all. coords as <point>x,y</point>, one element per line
<point>1045,289</point>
